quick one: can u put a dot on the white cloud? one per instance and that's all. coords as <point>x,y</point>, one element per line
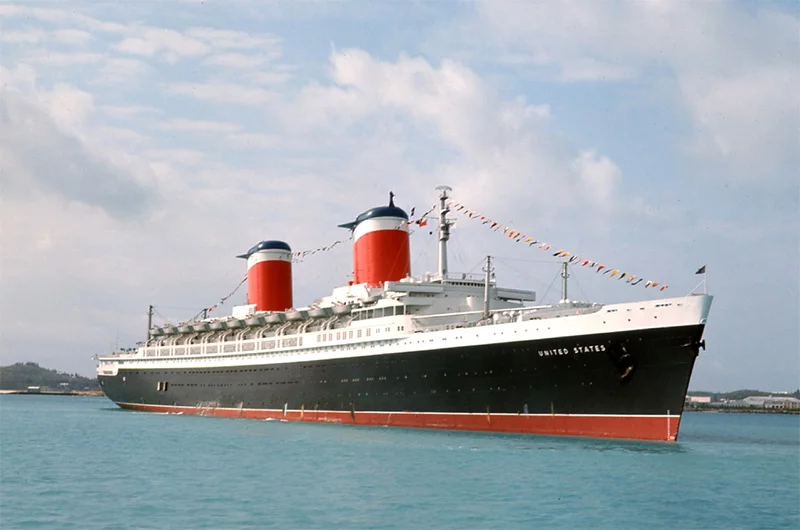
<point>235,60</point>
<point>72,36</point>
<point>736,70</point>
<point>233,133</point>
<point>269,77</point>
<point>227,39</point>
<point>116,71</point>
<point>42,151</point>
<point>7,10</point>
<point>71,17</point>
<point>587,69</point>
<point>68,107</point>
<point>253,140</point>
<point>127,112</point>
<point>64,59</point>
<point>31,36</point>
<point>499,152</point>
<point>600,178</point>
<point>199,126</point>
<point>122,136</point>
<point>174,45</point>
<point>21,77</point>
<point>187,157</point>
<point>222,92</point>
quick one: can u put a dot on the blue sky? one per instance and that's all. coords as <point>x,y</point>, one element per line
<point>144,145</point>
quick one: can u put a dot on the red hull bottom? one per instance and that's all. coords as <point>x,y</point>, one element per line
<point>643,427</point>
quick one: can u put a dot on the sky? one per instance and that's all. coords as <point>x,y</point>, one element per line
<point>143,145</point>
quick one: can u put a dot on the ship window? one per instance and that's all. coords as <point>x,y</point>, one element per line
<point>350,334</point>
<point>358,334</point>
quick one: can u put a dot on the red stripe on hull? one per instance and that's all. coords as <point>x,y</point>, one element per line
<point>381,256</point>
<point>269,285</point>
<point>656,428</point>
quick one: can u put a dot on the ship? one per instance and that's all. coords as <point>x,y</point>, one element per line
<point>441,350</point>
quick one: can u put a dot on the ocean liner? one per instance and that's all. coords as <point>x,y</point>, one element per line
<point>442,350</point>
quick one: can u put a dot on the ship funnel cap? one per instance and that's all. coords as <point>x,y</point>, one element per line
<point>266,245</point>
<point>379,211</point>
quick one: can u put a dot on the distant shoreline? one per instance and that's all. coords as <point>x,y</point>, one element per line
<point>731,410</point>
<point>52,393</point>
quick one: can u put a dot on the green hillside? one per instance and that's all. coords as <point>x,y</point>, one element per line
<point>22,375</point>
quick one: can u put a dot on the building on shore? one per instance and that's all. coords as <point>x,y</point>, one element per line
<point>771,402</point>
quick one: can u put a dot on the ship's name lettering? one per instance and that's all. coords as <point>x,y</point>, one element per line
<point>574,349</point>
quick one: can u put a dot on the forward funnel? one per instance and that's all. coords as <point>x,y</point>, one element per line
<point>380,245</point>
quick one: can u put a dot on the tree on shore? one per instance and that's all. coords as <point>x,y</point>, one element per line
<point>20,376</point>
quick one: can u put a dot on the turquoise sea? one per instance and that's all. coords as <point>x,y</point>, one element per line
<point>82,463</point>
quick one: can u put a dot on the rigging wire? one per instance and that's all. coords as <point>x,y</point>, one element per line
<point>425,247</point>
<point>525,275</point>
<point>580,288</point>
<point>156,312</point>
<point>527,260</point>
<point>173,307</point>
<point>544,296</point>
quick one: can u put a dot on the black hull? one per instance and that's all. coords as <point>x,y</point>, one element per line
<point>643,372</point>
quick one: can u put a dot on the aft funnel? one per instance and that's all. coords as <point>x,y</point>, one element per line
<point>269,276</point>
<point>380,245</point>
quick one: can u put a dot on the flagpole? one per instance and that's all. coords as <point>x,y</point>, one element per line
<point>702,270</point>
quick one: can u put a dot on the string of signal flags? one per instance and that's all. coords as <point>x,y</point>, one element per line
<point>299,255</point>
<point>421,221</point>
<point>582,261</point>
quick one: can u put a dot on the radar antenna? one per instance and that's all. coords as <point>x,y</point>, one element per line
<point>444,229</point>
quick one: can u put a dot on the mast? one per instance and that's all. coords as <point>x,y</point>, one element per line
<point>488,277</point>
<point>444,229</point>
<point>564,276</point>
<point>149,320</point>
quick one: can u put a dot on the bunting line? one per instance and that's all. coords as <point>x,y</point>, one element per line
<point>572,258</point>
<point>225,298</point>
<point>299,255</point>
<point>422,220</point>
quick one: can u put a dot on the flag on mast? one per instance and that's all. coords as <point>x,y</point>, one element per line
<point>701,270</point>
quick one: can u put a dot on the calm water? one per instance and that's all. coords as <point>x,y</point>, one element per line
<point>70,462</point>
